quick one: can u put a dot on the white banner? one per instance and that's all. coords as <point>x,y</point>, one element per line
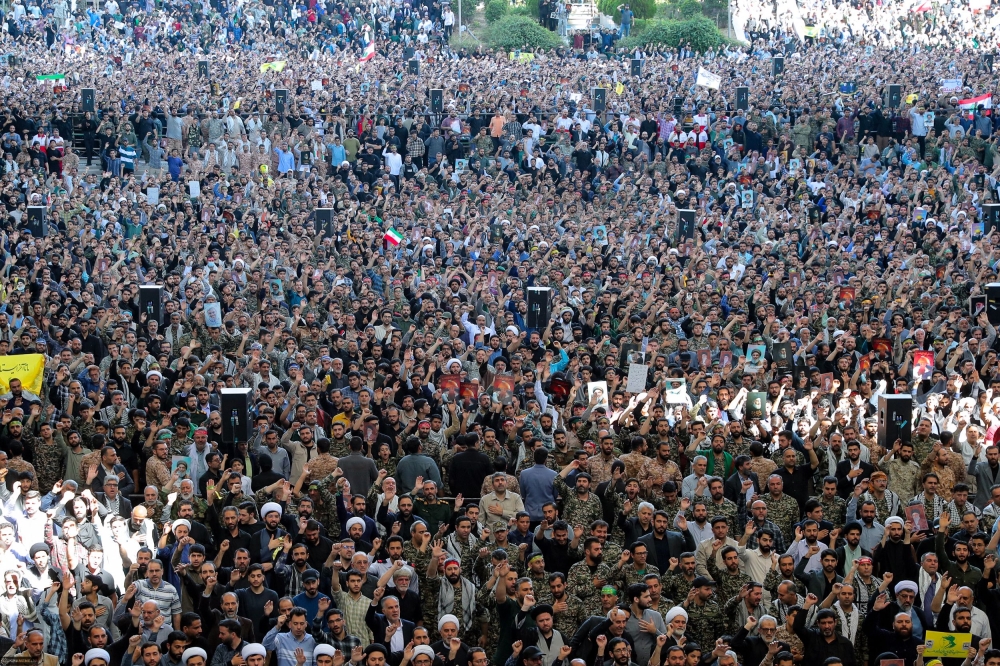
<point>951,85</point>
<point>707,79</point>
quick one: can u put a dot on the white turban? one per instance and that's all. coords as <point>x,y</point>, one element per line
<point>321,649</point>
<point>894,519</point>
<point>194,652</point>
<point>154,372</point>
<point>97,653</point>
<point>906,585</point>
<point>255,650</point>
<point>676,611</point>
<point>269,507</point>
<point>445,619</point>
<point>423,650</point>
<point>182,521</point>
<point>355,521</point>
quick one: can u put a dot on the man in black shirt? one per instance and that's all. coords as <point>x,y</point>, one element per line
<point>796,477</point>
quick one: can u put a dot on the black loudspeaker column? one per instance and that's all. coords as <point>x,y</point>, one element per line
<point>87,97</point>
<point>437,100</point>
<point>742,98</point>
<point>324,222</point>
<point>636,67</point>
<point>280,100</point>
<point>895,416</point>
<point>685,223</point>
<point>234,406</point>
<point>538,307</point>
<point>895,96</point>
<point>988,62</point>
<point>993,303</point>
<point>35,221</point>
<point>600,99</point>
<point>151,302</point>
<point>777,65</point>
<point>408,53</point>
<point>413,66</point>
<point>203,69</point>
<point>991,218</point>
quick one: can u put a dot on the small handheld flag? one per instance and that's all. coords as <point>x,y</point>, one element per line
<point>393,236</point>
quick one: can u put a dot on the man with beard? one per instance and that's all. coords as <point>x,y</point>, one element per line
<point>823,642</point>
<point>231,644</point>
<point>851,472</point>
<point>293,573</point>
<point>214,609</point>
<point>719,534</point>
<point>514,598</point>
<point>552,644</point>
<point>819,582</point>
<point>186,494</point>
<point>568,611</point>
<point>872,531</point>
<point>895,554</point>
<point>758,519</point>
<point>851,551</point>
<point>679,577</point>
<point>559,551</point>
<point>961,572</point>
<point>619,648</point>
<point>754,648</point>
<point>985,471</point>
<point>663,544</point>
<point>849,617</point>
<point>676,620</point>
<point>961,597</point>
<point>454,594</point>
<point>705,616</point>
<point>581,507</point>
<point>450,644</point>
<point>952,613</point>
<point>662,468</point>
<point>900,641</point>
<point>644,623</point>
<point>405,517</point>
<point>587,577</point>
<point>902,470</point>
<point>228,535</point>
<point>272,537</point>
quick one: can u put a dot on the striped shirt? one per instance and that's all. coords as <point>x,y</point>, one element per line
<point>164,596</point>
<point>284,645</point>
<point>127,153</point>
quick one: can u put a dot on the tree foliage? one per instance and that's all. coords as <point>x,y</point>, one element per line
<point>643,9</point>
<point>700,32</point>
<point>496,10</point>
<point>511,33</point>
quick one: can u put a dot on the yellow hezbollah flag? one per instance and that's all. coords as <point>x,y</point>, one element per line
<point>26,367</point>
<point>947,644</point>
<point>275,66</point>
<point>811,31</point>
<point>620,88</point>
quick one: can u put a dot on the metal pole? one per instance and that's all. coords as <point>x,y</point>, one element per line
<point>459,17</point>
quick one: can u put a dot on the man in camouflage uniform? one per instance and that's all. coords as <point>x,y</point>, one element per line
<point>569,611</point>
<point>679,578</point>
<point>633,568</point>
<point>659,470</point>
<point>487,603</point>
<point>430,590</point>
<point>730,580</point>
<point>720,506</point>
<point>580,506</point>
<point>782,509</point>
<point>537,574</point>
<point>587,577</point>
<point>514,553</point>
<point>834,506</point>
<point>705,617</point>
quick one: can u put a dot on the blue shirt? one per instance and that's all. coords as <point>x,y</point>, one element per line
<point>286,160</point>
<point>284,645</point>
<point>537,489</point>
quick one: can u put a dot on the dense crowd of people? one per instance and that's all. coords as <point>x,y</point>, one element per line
<point>505,408</point>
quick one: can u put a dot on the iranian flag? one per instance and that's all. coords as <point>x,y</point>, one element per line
<point>970,105</point>
<point>368,53</point>
<point>393,236</point>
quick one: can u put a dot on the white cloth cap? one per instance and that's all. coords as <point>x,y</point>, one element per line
<point>445,619</point>
<point>269,507</point>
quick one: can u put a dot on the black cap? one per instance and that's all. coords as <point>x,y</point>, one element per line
<point>309,574</point>
<point>703,581</point>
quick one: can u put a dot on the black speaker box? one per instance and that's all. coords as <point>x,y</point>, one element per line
<point>203,69</point>
<point>685,223</point>
<point>777,65</point>
<point>324,222</point>
<point>235,410</point>
<point>600,99</point>
<point>636,69</point>
<point>993,303</point>
<point>413,66</point>
<point>991,218</point>
<point>437,100</point>
<point>742,98</point>
<point>280,102</point>
<point>87,98</point>
<point>895,415</point>
<point>895,96</point>
<point>151,302</point>
<point>538,307</point>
